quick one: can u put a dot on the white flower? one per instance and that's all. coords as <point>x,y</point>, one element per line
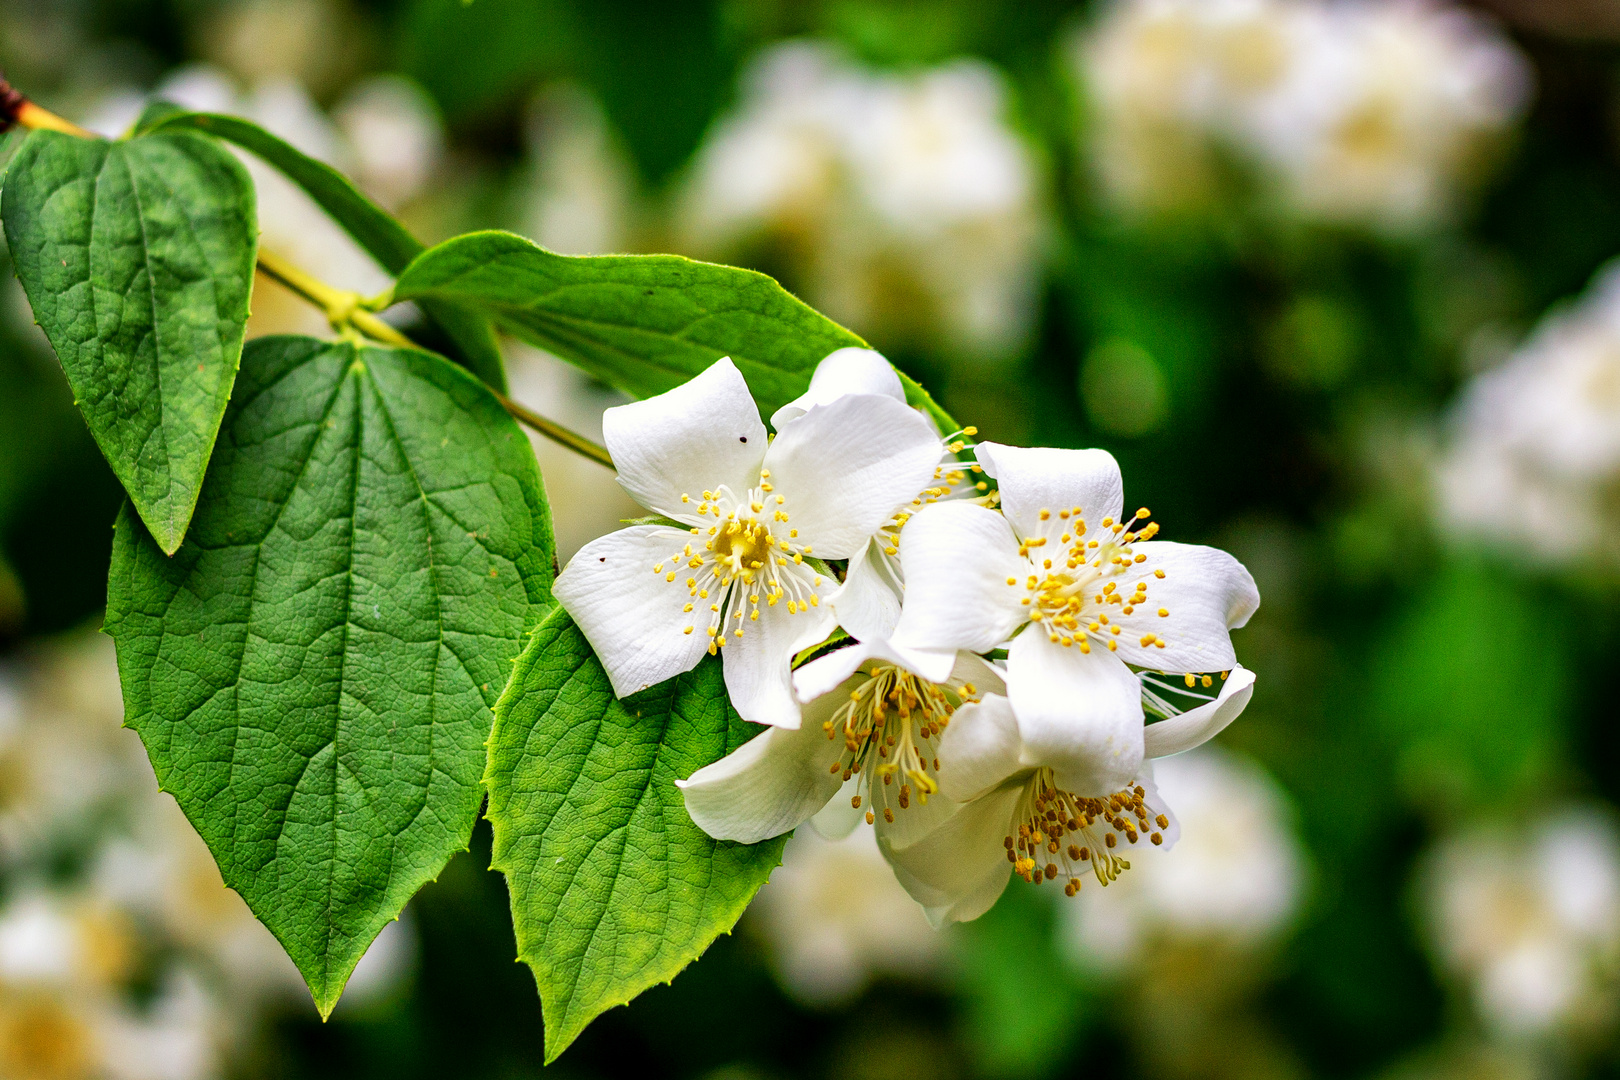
<point>904,205</point>
<point>1529,919</point>
<point>868,603</point>
<point>870,738</point>
<point>1534,455</point>
<point>1386,109</point>
<point>743,571</point>
<point>1085,592</point>
<point>1372,112</point>
<point>1032,806</point>
<point>833,917</point>
<point>1168,80</point>
<point>1236,876</point>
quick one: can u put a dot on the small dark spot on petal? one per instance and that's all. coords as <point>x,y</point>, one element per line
<point>602,559</point>
<point>742,438</point>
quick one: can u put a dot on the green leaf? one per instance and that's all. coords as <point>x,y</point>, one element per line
<point>376,230</point>
<point>613,888</point>
<point>9,142</point>
<point>312,673</point>
<point>137,258</point>
<point>642,323</point>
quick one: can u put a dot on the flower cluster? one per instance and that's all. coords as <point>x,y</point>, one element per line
<point>1533,465</point>
<point>1527,919</point>
<point>985,705</point>
<point>1369,112</point>
<point>899,205</point>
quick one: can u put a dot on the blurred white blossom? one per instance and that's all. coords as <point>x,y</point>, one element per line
<point>1533,462</point>
<point>395,137</point>
<point>1236,878</point>
<point>902,205</point>
<point>834,919</point>
<point>579,195</point>
<point>1169,81</point>
<point>1528,919</point>
<point>1374,113</point>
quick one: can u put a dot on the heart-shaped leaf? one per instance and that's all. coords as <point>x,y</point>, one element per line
<point>137,258</point>
<point>312,672</point>
<point>613,887</point>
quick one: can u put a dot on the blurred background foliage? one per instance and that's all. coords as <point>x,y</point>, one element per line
<point>1326,279</point>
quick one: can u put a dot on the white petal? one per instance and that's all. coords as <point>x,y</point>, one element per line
<point>1197,726</point>
<point>822,674</point>
<point>1041,478</point>
<point>846,467</point>
<point>957,872</point>
<point>845,371</point>
<point>840,816</point>
<point>981,749</point>
<point>868,604</point>
<point>774,782</point>
<point>631,616</point>
<point>1206,592</point>
<point>911,823</point>
<point>827,672</point>
<point>1156,805</point>
<point>1079,714</point>
<point>957,558</point>
<point>697,437</point>
<point>759,677</point>
<point>984,676</point>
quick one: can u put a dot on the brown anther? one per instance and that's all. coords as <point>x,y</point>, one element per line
<point>888,815</point>
<point>1051,871</point>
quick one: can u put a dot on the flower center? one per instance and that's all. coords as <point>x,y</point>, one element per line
<point>741,559</point>
<point>742,546</point>
<point>1072,586</point>
<point>889,726</point>
<point>1058,832</point>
